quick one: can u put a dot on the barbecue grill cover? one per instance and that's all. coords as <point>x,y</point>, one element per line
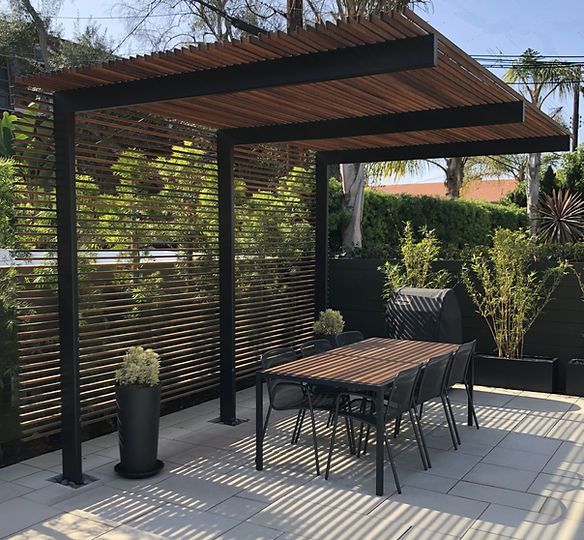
<point>424,315</point>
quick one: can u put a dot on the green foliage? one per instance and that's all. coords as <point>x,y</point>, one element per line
<point>507,289</point>
<point>571,171</point>
<point>7,203</point>
<point>8,313</point>
<point>458,224</point>
<point>330,323</point>
<point>414,268</point>
<point>141,367</point>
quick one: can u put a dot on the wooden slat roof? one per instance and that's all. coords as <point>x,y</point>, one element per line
<point>456,81</point>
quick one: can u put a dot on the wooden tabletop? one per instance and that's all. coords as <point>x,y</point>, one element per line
<point>374,361</point>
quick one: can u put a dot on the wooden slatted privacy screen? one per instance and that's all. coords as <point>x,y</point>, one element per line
<point>274,250</point>
<point>148,255</point>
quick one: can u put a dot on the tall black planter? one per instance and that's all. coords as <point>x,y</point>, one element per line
<point>138,421</point>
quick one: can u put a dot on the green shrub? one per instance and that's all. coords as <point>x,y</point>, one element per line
<point>330,322</point>
<point>414,267</point>
<point>458,224</point>
<point>140,367</point>
<point>508,290</point>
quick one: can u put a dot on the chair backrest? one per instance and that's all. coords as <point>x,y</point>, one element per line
<point>460,363</point>
<point>433,378</point>
<point>346,338</point>
<point>276,357</point>
<point>278,391</point>
<point>401,398</point>
<point>315,346</point>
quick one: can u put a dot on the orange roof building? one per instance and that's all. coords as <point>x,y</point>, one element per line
<point>475,190</point>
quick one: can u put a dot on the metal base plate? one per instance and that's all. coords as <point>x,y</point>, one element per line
<point>235,423</point>
<point>125,474</point>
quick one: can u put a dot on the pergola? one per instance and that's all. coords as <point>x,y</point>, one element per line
<point>381,88</point>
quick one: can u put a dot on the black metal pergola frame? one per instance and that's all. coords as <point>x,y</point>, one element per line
<point>394,56</point>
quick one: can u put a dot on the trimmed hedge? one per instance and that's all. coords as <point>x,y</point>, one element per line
<point>459,224</point>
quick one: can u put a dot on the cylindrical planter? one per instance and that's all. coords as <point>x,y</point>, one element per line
<point>575,377</point>
<point>536,374</point>
<point>138,421</point>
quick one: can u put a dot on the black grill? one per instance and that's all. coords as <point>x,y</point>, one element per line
<point>424,315</point>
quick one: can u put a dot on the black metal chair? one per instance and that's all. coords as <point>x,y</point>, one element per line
<point>433,385</point>
<point>458,374</point>
<point>286,396</point>
<point>315,346</point>
<point>401,401</point>
<point>346,338</point>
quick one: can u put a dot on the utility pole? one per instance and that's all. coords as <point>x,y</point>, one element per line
<point>576,116</point>
<point>295,14</point>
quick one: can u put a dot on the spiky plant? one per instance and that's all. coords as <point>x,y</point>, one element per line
<point>561,217</point>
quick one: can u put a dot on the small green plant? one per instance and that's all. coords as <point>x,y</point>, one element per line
<point>330,322</point>
<point>140,367</point>
<point>507,290</point>
<point>415,267</point>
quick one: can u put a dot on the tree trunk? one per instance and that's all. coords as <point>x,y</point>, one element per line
<point>532,190</point>
<point>353,180</point>
<point>454,176</point>
<point>42,31</point>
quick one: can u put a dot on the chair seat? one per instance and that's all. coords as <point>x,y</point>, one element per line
<point>293,396</point>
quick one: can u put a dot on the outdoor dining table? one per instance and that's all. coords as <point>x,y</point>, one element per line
<point>370,365</point>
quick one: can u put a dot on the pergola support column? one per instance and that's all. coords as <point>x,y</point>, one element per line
<point>64,131</point>
<point>226,188</point>
<point>322,240</point>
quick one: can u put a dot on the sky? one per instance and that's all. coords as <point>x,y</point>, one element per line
<point>477,26</point>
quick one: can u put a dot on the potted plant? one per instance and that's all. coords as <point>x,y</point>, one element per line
<point>510,293</point>
<point>138,401</point>
<point>330,323</point>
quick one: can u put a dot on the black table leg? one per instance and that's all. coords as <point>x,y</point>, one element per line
<point>379,441</point>
<point>470,386</point>
<point>259,421</point>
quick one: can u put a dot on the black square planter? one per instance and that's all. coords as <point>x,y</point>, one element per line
<point>537,374</point>
<point>575,377</point>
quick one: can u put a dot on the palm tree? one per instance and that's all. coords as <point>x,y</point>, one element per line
<point>538,80</point>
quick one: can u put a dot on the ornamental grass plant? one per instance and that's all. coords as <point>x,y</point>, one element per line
<point>508,289</point>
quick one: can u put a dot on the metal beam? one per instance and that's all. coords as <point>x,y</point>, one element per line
<point>558,143</point>
<point>227,387</point>
<point>64,131</point>
<point>454,117</point>
<point>344,63</point>
<point>321,233</point>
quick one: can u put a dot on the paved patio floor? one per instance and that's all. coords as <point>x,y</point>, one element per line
<point>519,476</point>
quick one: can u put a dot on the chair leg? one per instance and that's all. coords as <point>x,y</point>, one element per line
<point>397,426</point>
<point>420,448</point>
<point>314,441</point>
<point>266,422</point>
<point>448,421</point>
<point>423,438</point>
<point>332,445</point>
<point>296,426</point>
<point>361,428</point>
<point>299,430</point>
<point>350,439</point>
<point>393,467</point>
<point>421,411</point>
<point>366,443</point>
<point>472,407</point>
<point>329,419</point>
<point>453,419</point>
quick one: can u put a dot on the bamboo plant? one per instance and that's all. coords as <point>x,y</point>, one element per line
<point>508,290</point>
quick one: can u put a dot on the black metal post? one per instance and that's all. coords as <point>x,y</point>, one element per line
<point>226,278</point>
<point>470,385</point>
<point>259,422</point>
<point>322,239</point>
<point>379,439</point>
<point>64,130</point>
